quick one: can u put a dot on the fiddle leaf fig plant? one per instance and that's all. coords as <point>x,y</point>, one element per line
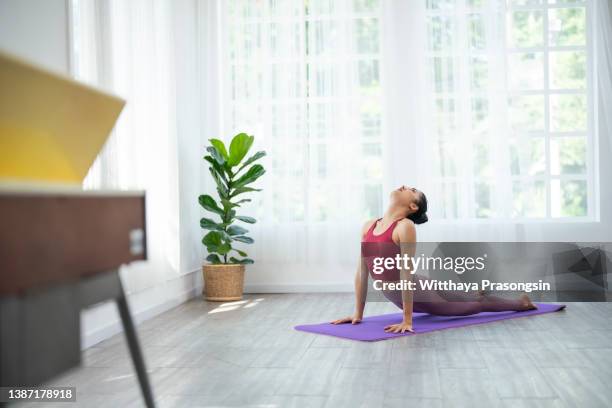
<point>233,176</point>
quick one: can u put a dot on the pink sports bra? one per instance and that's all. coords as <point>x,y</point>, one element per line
<point>386,236</point>
<point>377,246</point>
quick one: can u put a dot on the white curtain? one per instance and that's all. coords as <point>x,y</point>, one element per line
<point>486,105</point>
<point>432,141</point>
<point>602,12</point>
<point>145,52</point>
<point>488,110</point>
<point>469,100</point>
<point>303,77</point>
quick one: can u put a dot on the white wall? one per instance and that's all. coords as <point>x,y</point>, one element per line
<point>36,30</point>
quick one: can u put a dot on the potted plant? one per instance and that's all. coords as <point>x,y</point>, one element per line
<point>224,274</point>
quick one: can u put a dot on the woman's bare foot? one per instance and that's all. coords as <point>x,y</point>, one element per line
<point>527,304</point>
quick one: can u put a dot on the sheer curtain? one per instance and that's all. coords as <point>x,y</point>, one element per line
<point>303,77</point>
<point>486,105</point>
<point>498,128</point>
<point>135,49</point>
<point>434,144</point>
<point>603,64</point>
<point>491,107</point>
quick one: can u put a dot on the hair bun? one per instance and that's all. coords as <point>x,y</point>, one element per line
<point>420,219</point>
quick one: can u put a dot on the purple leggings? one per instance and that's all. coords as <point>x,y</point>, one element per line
<point>451,303</point>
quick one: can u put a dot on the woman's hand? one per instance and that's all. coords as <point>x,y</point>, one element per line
<point>399,328</point>
<point>349,319</point>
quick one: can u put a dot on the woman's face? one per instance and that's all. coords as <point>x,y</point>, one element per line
<point>406,197</point>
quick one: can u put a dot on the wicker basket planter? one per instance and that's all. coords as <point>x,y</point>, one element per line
<point>223,283</point>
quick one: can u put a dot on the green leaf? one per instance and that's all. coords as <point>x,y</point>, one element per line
<point>248,220</point>
<point>229,217</point>
<point>243,190</point>
<point>227,204</point>
<point>243,238</point>
<point>246,200</point>
<point>216,155</point>
<point>243,261</point>
<point>212,240</point>
<point>214,259</point>
<point>240,145</point>
<point>236,230</point>
<point>224,248</point>
<point>210,204</point>
<point>221,187</point>
<point>250,176</point>
<point>218,168</point>
<point>220,147</point>
<point>241,253</point>
<point>252,159</point>
<point>209,224</point>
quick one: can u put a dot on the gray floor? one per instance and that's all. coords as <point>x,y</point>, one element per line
<point>247,354</point>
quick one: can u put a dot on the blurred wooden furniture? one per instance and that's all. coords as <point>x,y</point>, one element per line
<point>59,253</point>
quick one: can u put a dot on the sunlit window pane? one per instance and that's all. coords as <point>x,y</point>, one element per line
<point>567,26</point>
<point>445,117</point>
<point>569,198</point>
<point>445,155</point>
<point>527,156</point>
<point>526,29</point>
<point>323,37</point>
<point>321,7</point>
<point>367,35</point>
<point>442,74</point>
<point>365,5</point>
<point>476,32</point>
<point>482,160</point>
<point>479,72</point>
<point>568,70</point>
<point>369,74</point>
<point>446,194</point>
<point>482,192</point>
<point>278,8</point>
<point>568,156</point>
<point>568,113</point>
<point>526,71</point>
<point>440,32</point>
<point>529,198</point>
<point>373,201</point>
<point>480,115</point>
<point>439,4</point>
<point>527,112</point>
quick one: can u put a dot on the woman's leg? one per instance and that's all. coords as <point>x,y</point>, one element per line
<point>433,303</point>
<point>441,307</point>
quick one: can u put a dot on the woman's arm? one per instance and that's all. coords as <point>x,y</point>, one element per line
<point>406,235</point>
<point>361,286</point>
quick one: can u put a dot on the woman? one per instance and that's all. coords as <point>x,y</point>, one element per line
<point>408,207</point>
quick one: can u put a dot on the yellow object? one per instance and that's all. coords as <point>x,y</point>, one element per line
<point>51,127</point>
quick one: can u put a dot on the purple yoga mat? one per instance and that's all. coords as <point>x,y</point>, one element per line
<point>372,328</point>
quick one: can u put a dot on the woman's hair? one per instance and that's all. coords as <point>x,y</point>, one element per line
<point>420,215</point>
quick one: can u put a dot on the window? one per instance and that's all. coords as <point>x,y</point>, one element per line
<point>509,94</point>
<point>304,77</point>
